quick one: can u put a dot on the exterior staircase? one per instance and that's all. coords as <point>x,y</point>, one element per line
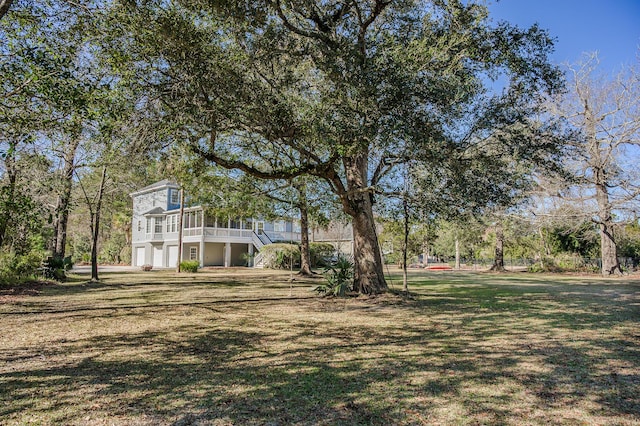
<point>259,241</point>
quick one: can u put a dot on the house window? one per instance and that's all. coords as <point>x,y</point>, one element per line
<point>172,223</point>
<point>235,223</point>
<point>175,196</point>
<point>139,226</point>
<point>296,227</point>
<point>148,225</point>
<point>158,227</point>
<point>278,226</point>
<point>193,253</point>
<point>248,224</point>
<point>193,220</point>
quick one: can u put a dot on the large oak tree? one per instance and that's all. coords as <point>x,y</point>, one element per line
<point>345,90</point>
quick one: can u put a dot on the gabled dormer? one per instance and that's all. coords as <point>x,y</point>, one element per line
<point>149,206</point>
<point>164,194</point>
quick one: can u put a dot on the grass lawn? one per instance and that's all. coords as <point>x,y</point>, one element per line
<point>249,348</point>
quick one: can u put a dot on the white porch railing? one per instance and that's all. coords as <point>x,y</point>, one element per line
<point>257,242</point>
<point>192,232</point>
<point>258,261</point>
<point>283,236</point>
<point>225,232</point>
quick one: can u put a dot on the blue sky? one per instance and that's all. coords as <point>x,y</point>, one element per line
<point>611,27</point>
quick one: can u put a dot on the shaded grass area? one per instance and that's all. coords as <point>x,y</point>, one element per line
<point>254,348</point>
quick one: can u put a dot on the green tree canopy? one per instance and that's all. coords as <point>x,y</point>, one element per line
<point>342,90</point>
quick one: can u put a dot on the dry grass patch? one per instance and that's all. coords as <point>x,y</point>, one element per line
<point>251,347</point>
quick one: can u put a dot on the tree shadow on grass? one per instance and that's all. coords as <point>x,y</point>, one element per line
<point>473,353</point>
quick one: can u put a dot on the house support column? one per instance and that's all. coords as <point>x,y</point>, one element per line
<point>227,255</point>
<point>250,251</point>
<point>201,252</point>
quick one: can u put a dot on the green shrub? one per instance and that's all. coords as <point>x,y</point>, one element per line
<point>321,254</point>
<point>339,278</point>
<point>15,269</point>
<point>563,262</point>
<point>280,256</point>
<point>189,266</point>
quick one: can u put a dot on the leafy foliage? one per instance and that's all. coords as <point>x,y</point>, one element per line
<point>281,256</point>
<point>16,268</point>
<point>339,278</point>
<point>322,254</point>
<point>189,266</point>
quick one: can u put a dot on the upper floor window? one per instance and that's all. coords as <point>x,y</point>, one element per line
<point>278,226</point>
<point>158,227</point>
<point>172,223</point>
<point>175,196</point>
<point>192,220</point>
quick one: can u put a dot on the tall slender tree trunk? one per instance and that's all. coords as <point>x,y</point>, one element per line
<point>180,215</point>
<point>305,252</point>
<point>64,199</point>
<point>96,226</point>
<point>12,174</point>
<point>498,262</point>
<point>368,274</point>
<point>457,244</point>
<point>405,244</point>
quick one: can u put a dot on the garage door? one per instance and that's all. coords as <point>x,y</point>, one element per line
<point>139,256</point>
<point>173,256</point>
<point>157,257</point>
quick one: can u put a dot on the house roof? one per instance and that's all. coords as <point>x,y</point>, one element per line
<point>160,184</point>
<point>154,211</point>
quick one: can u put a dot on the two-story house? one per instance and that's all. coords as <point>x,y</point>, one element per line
<point>213,241</point>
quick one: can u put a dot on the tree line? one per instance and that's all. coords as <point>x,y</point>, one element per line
<point>422,110</point>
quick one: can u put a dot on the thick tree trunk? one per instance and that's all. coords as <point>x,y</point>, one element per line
<point>64,200</point>
<point>498,262</point>
<point>608,246</point>
<point>96,227</point>
<point>357,202</point>
<point>305,253</point>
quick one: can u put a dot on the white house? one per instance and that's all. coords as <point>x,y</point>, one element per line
<point>210,240</point>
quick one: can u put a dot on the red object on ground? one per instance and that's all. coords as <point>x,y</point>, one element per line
<point>444,267</point>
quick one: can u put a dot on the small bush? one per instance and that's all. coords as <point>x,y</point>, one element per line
<point>15,268</point>
<point>280,256</point>
<point>339,278</point>
<point>189,266</point>
<point>321,254</point>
